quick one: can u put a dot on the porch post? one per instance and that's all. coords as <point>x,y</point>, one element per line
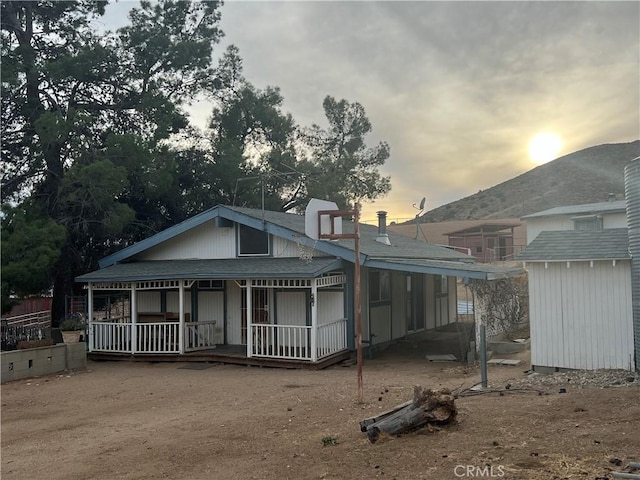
<point>134,318</point>
<point>248,314</point>
<point>90,315</point>
<point>181,317</point>
<point>314,320</point>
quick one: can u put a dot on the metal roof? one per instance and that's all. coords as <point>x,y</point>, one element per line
<point>585,209</point>
<point>567,245</point>
<point>228,268</point>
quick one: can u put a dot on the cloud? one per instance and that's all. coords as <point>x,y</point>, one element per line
<point>456,88</point>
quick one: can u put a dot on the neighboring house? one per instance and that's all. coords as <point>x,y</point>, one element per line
<point>486,240</point>
<point>579,270</point>
<point>252,284</point>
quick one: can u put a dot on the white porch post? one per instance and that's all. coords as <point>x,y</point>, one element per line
<point>134,318</point>
<point>249,320</point>
<point>314,320</point>
<point>90,315</point>
<point>181,317</point>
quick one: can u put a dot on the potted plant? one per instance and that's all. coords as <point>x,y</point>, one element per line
<point>72,328</point>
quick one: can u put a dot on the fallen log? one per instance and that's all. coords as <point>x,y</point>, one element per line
<point>428,407</point>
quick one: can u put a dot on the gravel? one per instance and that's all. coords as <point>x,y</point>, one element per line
<point>574,378</point>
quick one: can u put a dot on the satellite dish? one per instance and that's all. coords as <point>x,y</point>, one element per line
<point>422,203</point>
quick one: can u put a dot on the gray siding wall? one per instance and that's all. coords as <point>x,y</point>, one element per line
<point>580,316</point>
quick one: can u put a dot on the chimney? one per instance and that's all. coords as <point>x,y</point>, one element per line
<point>612,197</point>
<point>382,237</point>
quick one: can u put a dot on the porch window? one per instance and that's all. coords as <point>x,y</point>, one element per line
<point>210,285</point>
<point>252,242</point>
<point>380,285</point>
<point>442,285</point>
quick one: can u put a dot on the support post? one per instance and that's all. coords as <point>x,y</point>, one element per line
<point>356,297</point>
<point>90,315</point>
<point>248,315</point>
<point>181,326</point>
<point>314,320</point>
<point>483,356</point>
<point>134,319</point>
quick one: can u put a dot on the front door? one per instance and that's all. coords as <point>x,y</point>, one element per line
<point>259,309</point>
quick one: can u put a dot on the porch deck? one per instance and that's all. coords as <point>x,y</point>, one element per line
<point>227,354</point>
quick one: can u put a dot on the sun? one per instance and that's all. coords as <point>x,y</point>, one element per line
<point>544,147</point>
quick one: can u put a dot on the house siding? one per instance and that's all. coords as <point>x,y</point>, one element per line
<point>399,304</point>
<point>234,313</point>
<point>330,306</point>
<point>211,307</point>
<point>572,324</point>
<point>206,241</point>
<point>291,308</point>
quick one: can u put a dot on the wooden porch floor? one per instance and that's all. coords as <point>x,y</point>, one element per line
<point>228,354</point>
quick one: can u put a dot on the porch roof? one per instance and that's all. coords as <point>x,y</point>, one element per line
<point>231,268</point>
<point>443,267</point>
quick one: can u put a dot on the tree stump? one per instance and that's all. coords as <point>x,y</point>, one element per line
<point>428,407</point>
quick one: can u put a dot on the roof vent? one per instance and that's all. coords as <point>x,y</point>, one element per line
<point>383,236</point>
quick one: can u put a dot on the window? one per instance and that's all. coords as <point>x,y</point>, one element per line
<point>587,222</point>
<point>210,285</point>
<point>380,285</point>
<point>441,285</point>
<point>252,241</point>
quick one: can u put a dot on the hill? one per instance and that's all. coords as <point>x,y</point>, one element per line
<point>585,176</point>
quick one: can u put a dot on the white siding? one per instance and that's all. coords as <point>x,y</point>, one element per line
<point>330,306</point>
<point>234,313</point>
<point>614,220</point>
<point>581,316</point>
<point>399,304</point>
<point>206,241</point>
<point>380,323</point>
<point>148,301</point>
<point>211,307</point>
<point>292,308</point>
<point>173,301</point>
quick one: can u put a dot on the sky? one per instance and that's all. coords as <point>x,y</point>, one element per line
<point>457,89</point>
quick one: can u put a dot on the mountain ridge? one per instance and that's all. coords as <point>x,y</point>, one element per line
<point>586,176</point>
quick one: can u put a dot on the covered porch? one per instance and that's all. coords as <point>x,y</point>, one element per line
<point>238,320</point>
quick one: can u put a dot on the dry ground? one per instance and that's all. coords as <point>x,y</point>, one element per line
<point>155,421</point>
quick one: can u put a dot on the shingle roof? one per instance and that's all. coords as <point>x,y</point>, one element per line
<point>565,245</point>
<point>585,209</point>
<point>235,268</point>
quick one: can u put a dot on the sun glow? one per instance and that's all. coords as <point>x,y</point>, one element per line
<point>544,147</point>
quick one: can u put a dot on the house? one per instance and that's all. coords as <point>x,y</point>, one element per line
<point>249,286</point>
<point>579,270</point>
<point>486,240</point>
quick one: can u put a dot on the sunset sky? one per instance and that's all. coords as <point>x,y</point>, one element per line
<point>458,89</point>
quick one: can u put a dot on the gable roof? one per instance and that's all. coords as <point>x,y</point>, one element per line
<point>585,209</point>
<point>567,245</point>
<point>404,253</point>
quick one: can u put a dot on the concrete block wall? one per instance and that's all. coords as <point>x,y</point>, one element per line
<point>36,362</point>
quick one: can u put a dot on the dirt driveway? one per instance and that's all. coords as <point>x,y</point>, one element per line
<point>155,421</point>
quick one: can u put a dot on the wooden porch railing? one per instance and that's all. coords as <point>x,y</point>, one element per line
<point>294,342</point>
<point>200,335</point>
<point>281,341</point>
<point>332,337</point>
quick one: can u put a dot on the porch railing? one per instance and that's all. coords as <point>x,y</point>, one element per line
<point>160,337</point>
<point>281,341</point>
<point>200,335</point>
<point>294,342</point>
<point>110,337</point>
<point>332,337</point>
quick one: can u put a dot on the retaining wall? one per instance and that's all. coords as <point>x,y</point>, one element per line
<point>36,362</point>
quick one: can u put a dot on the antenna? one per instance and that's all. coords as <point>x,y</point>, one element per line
<point>418,215</point>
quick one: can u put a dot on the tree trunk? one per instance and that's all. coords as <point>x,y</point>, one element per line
<point>428,407</point>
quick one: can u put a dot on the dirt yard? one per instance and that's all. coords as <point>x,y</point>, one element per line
<point>155,421</point>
